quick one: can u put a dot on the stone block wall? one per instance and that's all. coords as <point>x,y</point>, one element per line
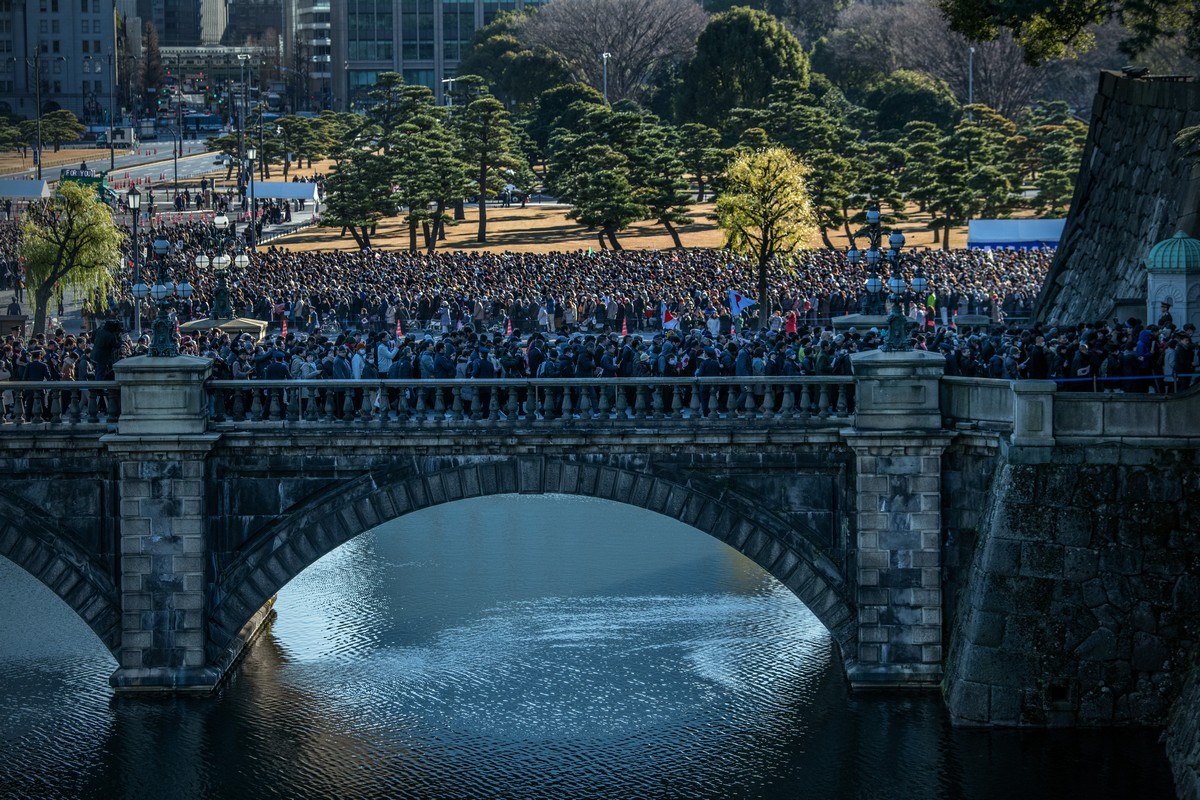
<point>1083,597</point>
<point>164,575</point>
<point>1133,190</point>
<point>1183,737</point>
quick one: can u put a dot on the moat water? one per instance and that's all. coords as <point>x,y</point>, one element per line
<point>521,647</point>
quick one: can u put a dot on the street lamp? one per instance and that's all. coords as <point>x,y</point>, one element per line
<point>222,239</point>
<point>873,256</point>
<point>162,342</point>
<point>898,323</point>
<point>449,93</point>
<point>250,154</point>
<point>134,198</point>
<point>605,57</point>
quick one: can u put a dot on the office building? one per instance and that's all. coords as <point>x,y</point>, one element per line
<point>68,47</point>
<point>307,57</point>
<point>423,40</point>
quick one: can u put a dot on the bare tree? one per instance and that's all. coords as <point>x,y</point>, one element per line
<point>1003,80</point>
<point>638,34</point>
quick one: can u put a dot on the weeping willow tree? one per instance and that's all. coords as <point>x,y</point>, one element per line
<point>766,211</point>
<point>69,241</point>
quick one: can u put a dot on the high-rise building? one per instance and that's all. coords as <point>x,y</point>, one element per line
<point>306,54</point>
<point>177,21</point>
<point>68,46</point>
<point>422,40</point>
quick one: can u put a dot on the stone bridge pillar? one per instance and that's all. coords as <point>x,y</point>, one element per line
<point>897,572</point>
<point>161,447</point>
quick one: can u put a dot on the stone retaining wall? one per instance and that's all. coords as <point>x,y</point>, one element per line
<point>1083,596</point>
<point>1133,190</point>
<point>1183,737</point>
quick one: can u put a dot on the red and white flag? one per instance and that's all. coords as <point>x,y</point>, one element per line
<point>738,302</point>
<point>624,326</point>
<point>399,331</point>
<point>285,327</point>
<point>508,328</point>
<point>669,320</point>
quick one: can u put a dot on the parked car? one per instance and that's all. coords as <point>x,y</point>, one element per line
<point>223,159</point>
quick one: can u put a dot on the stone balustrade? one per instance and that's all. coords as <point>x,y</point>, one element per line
<point>815,400</point>
<point>61,402</point>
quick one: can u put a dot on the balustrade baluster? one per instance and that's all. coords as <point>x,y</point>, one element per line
<point>567,401</point>
<point>512,408</point>
<point>256,407</point>
<point>768,411</point>
<point>656,401</point>
<point>494,405</point>
<point>73,408</point>
<point>93,405</point>
<point>622,402</point>
<point>421,412</point>
<point>787,403</point>
<point>604,405</point>
<point>476,405</point>
<point>731,405</point>
<point>275,410</point>
<point>823,401</point>
<point>843,399</point>
<point>806,401</point>
<point>39,406</point>
<point>239,405</point>
<point>439,403</point>
<point>348,406</point>
<point>292,399</point>
<point>114,406</point>
<point>456,404</point>
<point>677,402</point>
<point>55,407</point>
<point>366,408</point>
<point>694,402</point>
<point>329,407</point>
<point>640,410</point>
<point>310,408</point>
<point>751,406</point>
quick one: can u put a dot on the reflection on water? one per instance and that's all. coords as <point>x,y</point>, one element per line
<point>520,647</point>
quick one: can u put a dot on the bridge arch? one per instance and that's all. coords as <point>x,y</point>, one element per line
<point>335,516</point>
<point>51,556</point>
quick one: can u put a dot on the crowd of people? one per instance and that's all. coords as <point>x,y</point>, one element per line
<point>385,314</point>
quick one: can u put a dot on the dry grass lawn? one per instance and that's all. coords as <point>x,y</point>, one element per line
<point>11,162</point>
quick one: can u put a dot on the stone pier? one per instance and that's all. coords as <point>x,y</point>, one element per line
<point>160,450</point>
<point>898,444</point>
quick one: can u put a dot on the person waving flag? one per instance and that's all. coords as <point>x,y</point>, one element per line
<point>669,320</point>
<point>739,302</point>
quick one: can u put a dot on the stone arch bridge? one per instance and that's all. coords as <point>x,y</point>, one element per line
<point>169,524</point>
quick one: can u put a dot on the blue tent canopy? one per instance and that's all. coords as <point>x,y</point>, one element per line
<point>1013,234</point>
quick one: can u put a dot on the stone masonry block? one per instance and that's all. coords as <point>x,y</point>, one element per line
<point>869,634</point>
<point>868,577</point>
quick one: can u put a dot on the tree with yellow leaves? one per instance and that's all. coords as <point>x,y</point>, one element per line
<point>766,211</point>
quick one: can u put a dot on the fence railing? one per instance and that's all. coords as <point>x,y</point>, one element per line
<point>59,403</point>
<point>812,399</point>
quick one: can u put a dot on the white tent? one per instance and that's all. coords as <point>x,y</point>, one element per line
<point>1013,234</point>
<point>285,190</point>
<point>24,190</point>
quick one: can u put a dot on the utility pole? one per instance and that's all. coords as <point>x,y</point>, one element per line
<point>37,99</point>
<point>112,92</point>
<point>605,57</point>
<point>970,81</point>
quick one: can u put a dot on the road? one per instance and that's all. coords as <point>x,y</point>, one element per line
<point>150,152</point>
